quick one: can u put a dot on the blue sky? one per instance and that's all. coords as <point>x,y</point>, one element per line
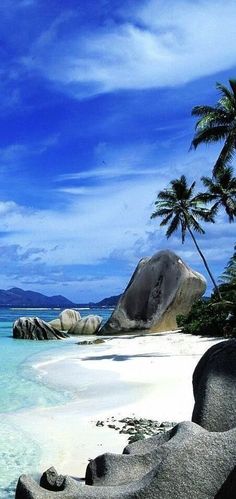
<point>96,102</point>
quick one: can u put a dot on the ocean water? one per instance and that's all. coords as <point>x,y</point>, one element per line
<point>22,388</point>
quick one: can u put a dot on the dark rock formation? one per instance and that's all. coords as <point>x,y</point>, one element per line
<point>186,462</point>
<point>50,480</point>
<point>161,288</point>
<point>214,387</point>
<point>33,328</point>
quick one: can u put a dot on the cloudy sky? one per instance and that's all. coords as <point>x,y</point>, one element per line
<point>96,102</point>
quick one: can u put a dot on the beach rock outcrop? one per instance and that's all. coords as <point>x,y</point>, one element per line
<point>88,325</point>
<point>33,328</point>
<point>161,287</point>
<point>66,320</point>
<point>214,388</point>
<point>187,461</point>
<point>50,480</point>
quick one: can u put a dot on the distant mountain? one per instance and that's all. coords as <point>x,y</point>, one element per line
<point>108,302</point>
<point>17,297</point>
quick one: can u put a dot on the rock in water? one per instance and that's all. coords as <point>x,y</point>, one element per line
<point>33,328</point>
<point>87,325</point>
<point>186,462</point>
<point>214,388</point>
<point>67,319</point>
<point>161,287</point>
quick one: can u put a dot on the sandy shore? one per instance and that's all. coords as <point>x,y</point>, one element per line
<point>143,376</point>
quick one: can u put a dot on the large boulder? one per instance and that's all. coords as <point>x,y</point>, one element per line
<point>88,325</point>
<point>214,388</point>
<point>66,320</point>
<point>161,287</point>
<point>187,462</point>
<point>33,328</point>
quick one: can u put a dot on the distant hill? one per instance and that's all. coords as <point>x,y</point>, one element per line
<point>17,297</point>
<point>107,302</point>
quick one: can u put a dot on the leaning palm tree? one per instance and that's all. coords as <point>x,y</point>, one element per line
<point>182,210</point>
<point>222,191</point>
<point>217,123</point>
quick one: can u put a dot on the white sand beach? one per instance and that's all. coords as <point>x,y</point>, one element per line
<point>147,376</point>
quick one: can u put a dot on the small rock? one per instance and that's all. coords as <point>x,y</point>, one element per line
<point>50,480</point>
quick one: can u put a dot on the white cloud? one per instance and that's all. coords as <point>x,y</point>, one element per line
<point>14,153</point>
<point>163,43</point>
<point>102,222</point>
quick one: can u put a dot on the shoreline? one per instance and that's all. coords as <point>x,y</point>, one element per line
<point>142,376</point>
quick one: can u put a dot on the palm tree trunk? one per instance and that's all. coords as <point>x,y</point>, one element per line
<point>205,263</point>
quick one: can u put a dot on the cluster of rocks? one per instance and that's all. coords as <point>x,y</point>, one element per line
<point>161,288</point>
<point>194,459</point>
<point>98,341</point>
<point>68,323</point>
<point>137,429</point>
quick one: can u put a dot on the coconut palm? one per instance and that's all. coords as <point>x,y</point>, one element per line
<point>183,210</point>
<point>229,274</point>
<point>221,189</point>
<point>217,123</point>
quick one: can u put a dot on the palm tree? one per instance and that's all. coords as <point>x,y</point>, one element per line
<point>222,191</point>
<point>229,274</point>
<point>218,123</point>
<point>182,209</point>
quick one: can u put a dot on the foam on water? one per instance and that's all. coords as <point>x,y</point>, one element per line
<point>23,386</point>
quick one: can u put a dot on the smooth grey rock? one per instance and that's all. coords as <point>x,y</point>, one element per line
<point>67,319</point>
<point>188,462</point>
<point>214,388</point>
<point>161,287</point>
<point>87,325</point>
<point>33,328</point>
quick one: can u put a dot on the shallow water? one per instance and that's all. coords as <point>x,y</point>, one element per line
<point>22,387</point>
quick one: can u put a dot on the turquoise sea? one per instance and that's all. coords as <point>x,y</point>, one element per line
<point>22,389</point>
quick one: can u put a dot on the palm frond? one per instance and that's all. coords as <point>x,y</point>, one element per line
<point>209,135</point>
<point>230,208</point>
<point>207,182</point>
<point>161,211</point>
<point>166,195</point>
<point>173,226</point>
<point>205,111</point>
<point>192,222</point>
<point>183,230</point>
<point>205,197</point>
<point>203,214</point>
<point>166,219</point>
<point>215,209</point>
<point>227,96</point>
<point>233,86</point>
<point>226,155</point>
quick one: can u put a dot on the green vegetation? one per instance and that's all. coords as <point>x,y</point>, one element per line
<point>218,123</point>
<point>221,191</point>
<point>229,274</point>
<point>211,317</point>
